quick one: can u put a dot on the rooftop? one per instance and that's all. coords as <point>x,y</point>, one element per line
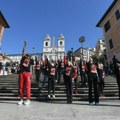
<point>106,13</point>
<point>3,21</point>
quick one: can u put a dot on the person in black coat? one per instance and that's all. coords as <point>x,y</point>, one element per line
<point>38,71</point>
<point>69,78</point>
<point>51,79</point>
<point>117,73</point>
<point>46,64</point>
<point>101,75</point>
<point>60,70</point>
<point>93,81</point>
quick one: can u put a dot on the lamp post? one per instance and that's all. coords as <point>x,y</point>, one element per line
<point>82,40</point>
<point>72,50</point>
<point>72,55</point>
<point>33,49</point>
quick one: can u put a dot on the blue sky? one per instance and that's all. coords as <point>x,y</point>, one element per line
<point>31,20</point>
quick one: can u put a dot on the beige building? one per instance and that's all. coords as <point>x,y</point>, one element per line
<point>110,24</point>
<point>17,57</point>
<point>83,53</point>
<point>100,48</point>
<point>3,25</point>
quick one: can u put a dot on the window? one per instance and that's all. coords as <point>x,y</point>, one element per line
<point>107,26</point>
<point>99,47</point>
<point>104,46</point>
<point>61,43</point>
<point>110,43</point>
<point>46,44</point>
<point>103,41</point>
<point>117,14</point>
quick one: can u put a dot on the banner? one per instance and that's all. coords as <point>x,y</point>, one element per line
<point>64,59</point>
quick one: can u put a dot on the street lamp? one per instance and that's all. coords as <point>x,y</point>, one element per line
<point>33,49</point>
<point>82,40</point>
<point>72,55</point>
<point>72,50</point>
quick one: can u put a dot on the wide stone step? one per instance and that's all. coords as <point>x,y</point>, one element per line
<point>110,88</point>
<point>12,89</point>
<point>34,83</point>
<point>56,99</point>
<point>58,94</point>
<point>9,90</point>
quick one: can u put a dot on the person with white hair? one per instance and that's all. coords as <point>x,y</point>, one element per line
<point>101,75</point>
<point>69,78</point>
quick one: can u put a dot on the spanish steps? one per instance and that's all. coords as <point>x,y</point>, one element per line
<point>9,90</point>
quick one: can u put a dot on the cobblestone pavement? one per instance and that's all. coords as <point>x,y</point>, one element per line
<point>59,111</point>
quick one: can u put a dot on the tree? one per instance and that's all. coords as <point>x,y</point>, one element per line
<point>95,59</point>
<point>69,54</point>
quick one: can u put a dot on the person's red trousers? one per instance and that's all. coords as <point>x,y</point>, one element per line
<point>25,82</point>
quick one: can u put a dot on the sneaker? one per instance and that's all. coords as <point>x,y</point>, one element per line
<point>56,81</point>
<point>48,96</point>
<point>27,102</point>
<point>53,96</point>
<point>91,103</point>
<point>20,102</point>
<point>76,92</point>
<point>97,103</point>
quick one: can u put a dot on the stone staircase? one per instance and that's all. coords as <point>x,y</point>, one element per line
<point>9,90</point>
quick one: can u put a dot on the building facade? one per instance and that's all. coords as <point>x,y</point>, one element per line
<point>3,25</point>
<point>52,51</point>
<point>17,57</point>
<point>110,24</point>
<point>100,48</point>
<point>83,53</point>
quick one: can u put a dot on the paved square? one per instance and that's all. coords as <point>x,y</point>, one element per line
<point>9,110</point>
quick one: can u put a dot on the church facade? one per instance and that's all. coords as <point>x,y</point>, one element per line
<point>52,51</point>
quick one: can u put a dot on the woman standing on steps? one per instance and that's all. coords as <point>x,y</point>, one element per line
<point>69,79</point>
<point>25,75</point>
<point>51,79</point>
<point>75,77</point>
<point>92,81</point>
